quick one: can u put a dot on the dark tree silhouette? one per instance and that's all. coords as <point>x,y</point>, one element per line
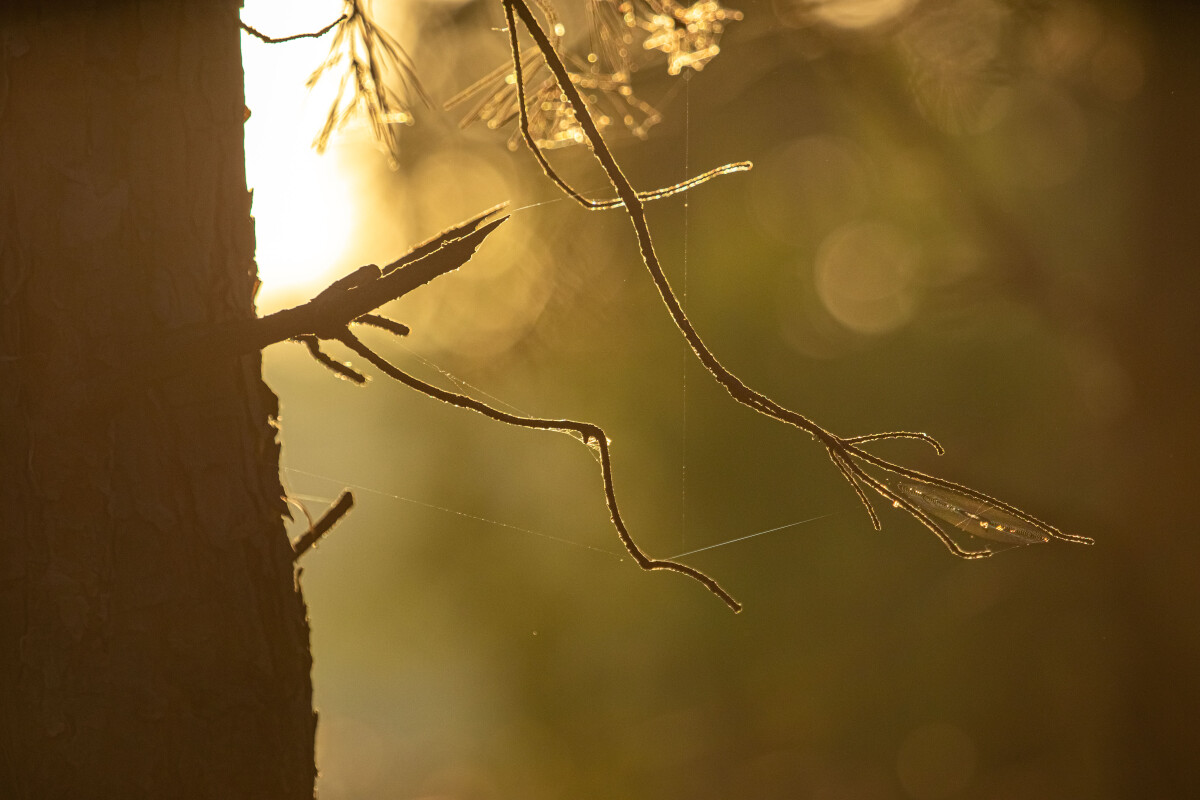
<point>153,640</point>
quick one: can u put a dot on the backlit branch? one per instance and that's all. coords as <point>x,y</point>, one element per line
<point>551,173</point>
<point>591,435</point>
<point>922,496</point>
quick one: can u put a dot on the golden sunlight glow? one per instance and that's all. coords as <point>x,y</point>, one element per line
<point>866,276</point>
<point>857,14</point>
<point>303,205</point>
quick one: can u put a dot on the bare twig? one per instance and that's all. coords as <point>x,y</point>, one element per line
<point>873,437</point>
<point>321,357</point>
<point>331,517</point>
<point>343,302</point>
<point>383,323</point>
<point>280,40</point>
<point>845,453</point>
<point>591,435</point>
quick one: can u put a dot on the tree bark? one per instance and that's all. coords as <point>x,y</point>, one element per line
<point>153,637</point>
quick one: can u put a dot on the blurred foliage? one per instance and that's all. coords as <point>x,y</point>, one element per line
<point>973,218</point>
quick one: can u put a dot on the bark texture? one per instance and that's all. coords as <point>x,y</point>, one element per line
<point>153,638</point>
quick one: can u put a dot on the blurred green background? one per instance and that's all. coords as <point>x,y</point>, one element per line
<point>975,219</point>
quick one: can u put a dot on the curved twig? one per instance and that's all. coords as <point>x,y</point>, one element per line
<point>587,431</point>
<point>902,502</point>
<point>848,473</point>
<point>874,437</point>
<point>314,349</point>
<point>659,194</point>
<point>281,39</point>
<point>974,494</point>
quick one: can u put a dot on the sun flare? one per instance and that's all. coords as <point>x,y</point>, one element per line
<point>303,204</point>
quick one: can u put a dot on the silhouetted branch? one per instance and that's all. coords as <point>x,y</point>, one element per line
<point>874,437</point>
<point>331,517</point>
<point>280,40</point>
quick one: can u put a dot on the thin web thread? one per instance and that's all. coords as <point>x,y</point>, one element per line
<point>687,142</point>
<point>752,535</point>
<point>459,382</point>
<point>518,528</point>
<point>464,514</point>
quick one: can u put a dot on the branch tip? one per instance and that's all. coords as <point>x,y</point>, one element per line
<point>383,323</point>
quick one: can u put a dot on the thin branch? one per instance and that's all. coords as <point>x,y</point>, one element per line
<point>682,186</point>
<point>904,503</point>
<point>843,452</point>
<point>848,473</point>
<point>383,323</point>
<point>588,432</point>
<point>314,349</point>
<point>280,40</point>
<point>874,437</point>
<point>636,212</point>
<point>331,517</point>
<point>551,173</point>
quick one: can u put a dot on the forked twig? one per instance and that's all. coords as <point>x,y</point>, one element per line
<point>848,473</point>
<point>592,435</point>
<point>324,359</point>
<point>944,498</point>
<point>383,323</point>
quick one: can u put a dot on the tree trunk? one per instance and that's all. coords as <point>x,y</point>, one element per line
<point>153,638</point>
